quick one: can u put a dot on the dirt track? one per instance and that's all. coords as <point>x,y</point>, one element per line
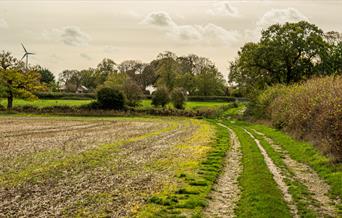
<point>226,192</point>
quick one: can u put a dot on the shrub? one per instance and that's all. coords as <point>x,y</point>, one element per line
<point>2,108</point>
<point>266,98</point>
<point>132,92</point>
<point>110,98</point>
<point>160,97</point>
<point>65,95</point>
<point>312,110</point>
<point>178,98</point>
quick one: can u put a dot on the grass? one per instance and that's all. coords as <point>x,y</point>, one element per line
<point>308,154</point>
<point>189,104</point>
<point>260,195</point>
<point>47,102</point>
<point>296,189</point>
<point>195,182</point>
<point>144,103</point>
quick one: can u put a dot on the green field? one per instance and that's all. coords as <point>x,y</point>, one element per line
<point>63,102</point>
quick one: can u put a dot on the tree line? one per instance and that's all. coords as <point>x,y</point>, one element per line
<point>192,74</point>
<point>286,54</point>
<point>196,75</point>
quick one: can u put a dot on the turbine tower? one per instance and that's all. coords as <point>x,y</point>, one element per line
<point>26,55</point>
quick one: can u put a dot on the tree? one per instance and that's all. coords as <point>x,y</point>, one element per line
<point>209,82</point>
<point>46,76</point>
<point>71,80</point>
<point>104,69</point>
<point>136,71</point>
<point>110,98</point>
<point>178,98</point>
<point>148,76</point>
<point>14,82</point>
<point>285,54</point>
<point>334,40</point>
<point>88,78</point>
<point>160,97</point>
<point>127,85</point>
<point>167,70</point>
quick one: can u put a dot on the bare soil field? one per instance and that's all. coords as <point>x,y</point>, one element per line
<point>57,166</point>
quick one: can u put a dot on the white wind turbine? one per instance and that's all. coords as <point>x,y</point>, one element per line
<point>26,55</point>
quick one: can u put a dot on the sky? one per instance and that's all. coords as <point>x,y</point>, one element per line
<point>71,34</point>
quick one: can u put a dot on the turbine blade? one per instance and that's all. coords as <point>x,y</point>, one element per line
<point>23,57</point>
<point>24,47</point>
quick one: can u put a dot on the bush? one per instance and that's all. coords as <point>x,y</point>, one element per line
<point>65,95</point>
<point>178,98</point>
<point>132,92</point>
<point>2,108</point>
<point>160,97</point>
<point>311,110</point>
<point>266,98</point>
<point>110,98</point>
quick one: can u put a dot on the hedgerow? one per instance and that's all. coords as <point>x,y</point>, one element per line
<point>311,110</point>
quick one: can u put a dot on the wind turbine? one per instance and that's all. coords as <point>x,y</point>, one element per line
<point>26,55</point>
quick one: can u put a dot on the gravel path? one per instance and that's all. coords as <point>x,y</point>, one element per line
<point>226,191</point>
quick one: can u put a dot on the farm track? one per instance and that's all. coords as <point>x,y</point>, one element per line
<point>318,188</point>
<point>278,177</point>
<point>113,187</point>
<point>226,192</point>
<point>314,202</point>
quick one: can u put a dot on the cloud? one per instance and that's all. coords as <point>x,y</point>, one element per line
<point>85,56</point>
<point>3,23</point>
<point>210,34</point>
<point>70,35</point>
<point>280,16</point>
<point>223,8</point>
<point>274,16</point>
<point>110,49</point>
<point>161,19</point>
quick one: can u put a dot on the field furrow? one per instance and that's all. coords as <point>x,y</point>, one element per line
<point>110,180</point>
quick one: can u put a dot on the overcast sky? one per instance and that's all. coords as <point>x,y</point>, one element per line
<point>79,34</point>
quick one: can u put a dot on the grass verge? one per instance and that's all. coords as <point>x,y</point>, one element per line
<point>189,197</point>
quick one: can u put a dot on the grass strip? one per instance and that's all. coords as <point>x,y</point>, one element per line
<point>308,154</point>
<point>260,195</point>
<point>299,192</point>
<point>189,197</point>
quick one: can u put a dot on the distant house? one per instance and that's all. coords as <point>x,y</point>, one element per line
<point>82,89</point>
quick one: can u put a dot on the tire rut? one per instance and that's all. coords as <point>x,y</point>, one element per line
<point>277,176</point>
<point>318,188</point>
<point>226,192</point>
